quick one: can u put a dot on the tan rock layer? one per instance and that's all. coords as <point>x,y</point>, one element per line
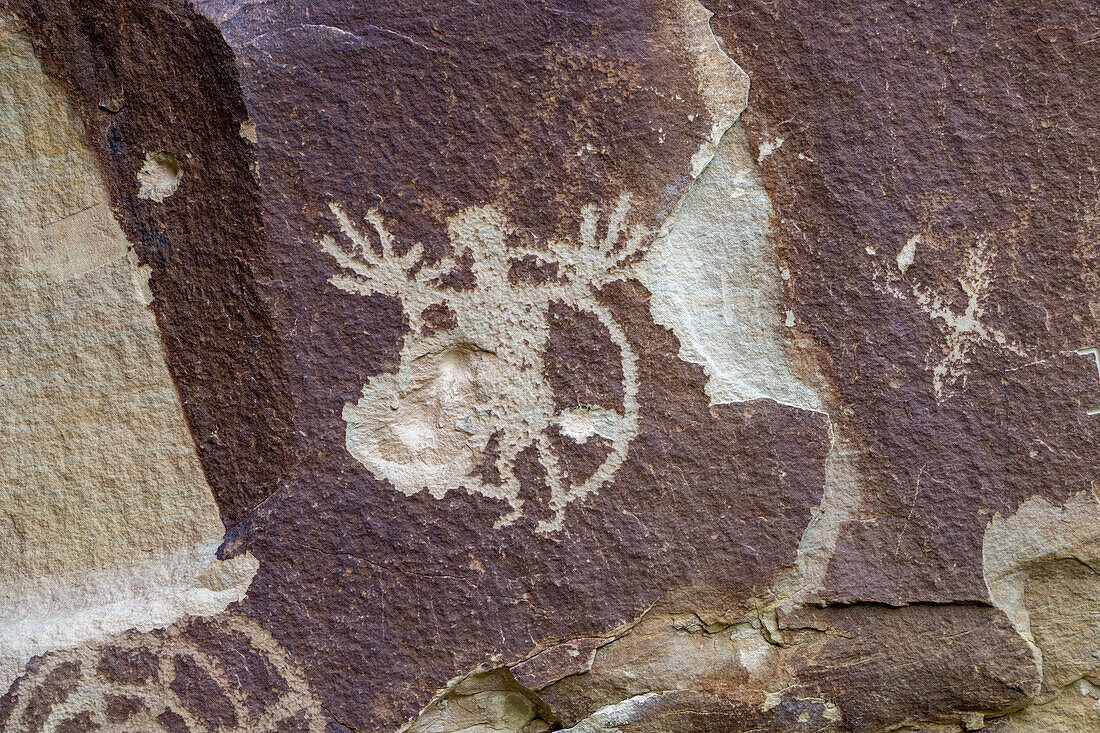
<point>107,520</point>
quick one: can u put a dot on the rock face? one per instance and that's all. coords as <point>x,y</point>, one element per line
<point>108,522</point>
<point>648,366</point>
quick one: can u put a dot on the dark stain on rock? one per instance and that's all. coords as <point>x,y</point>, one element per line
<point>81,723</point>
<point>55,688</point>
<point>253,675</point>
<point>578,460</point>
<point>855,666</point>
<point>121,707</point>
<point>438,317</point>
<point>531,270</point>
<point>173,722</point>
<point>296,724</point>
<point>201,695</point>
<point>488,469</point>
<point>127,666</point>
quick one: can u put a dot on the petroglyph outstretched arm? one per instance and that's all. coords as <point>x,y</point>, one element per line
<point>365,272</point>
<point>593,260</point>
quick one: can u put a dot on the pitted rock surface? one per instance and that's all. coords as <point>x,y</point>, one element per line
<point>651,365</point>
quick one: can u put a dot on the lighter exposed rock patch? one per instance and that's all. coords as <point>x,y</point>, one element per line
<point>1094,352</point>
<point>722,84</point>
<point>159,177</point>
<point>248,131</point>
<point>716,282</point>
<point>1039,532</point>
<point>768,147</point>
<point>107,521</point>
<point>45,613</point>
<point>482,702</point>
<point>1042,567</point>
<point>908,253</point>
<point>608,718</point>
<point>839,504</point>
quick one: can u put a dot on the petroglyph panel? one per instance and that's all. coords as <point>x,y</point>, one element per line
<point>550,376</point>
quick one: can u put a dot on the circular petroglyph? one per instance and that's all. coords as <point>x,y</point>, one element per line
<point>224,674</point>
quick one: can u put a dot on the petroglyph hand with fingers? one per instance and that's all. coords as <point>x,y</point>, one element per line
<point>367,272</point>
<point>594,260</point>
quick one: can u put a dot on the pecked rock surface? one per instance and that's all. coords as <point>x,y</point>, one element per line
<point>647,366</point>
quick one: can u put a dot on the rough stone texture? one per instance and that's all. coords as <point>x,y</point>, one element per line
<point>632,366</point>
<point>959,131</point>
<point>106,522</point>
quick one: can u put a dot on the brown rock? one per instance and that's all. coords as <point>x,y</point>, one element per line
<point>542,400</point>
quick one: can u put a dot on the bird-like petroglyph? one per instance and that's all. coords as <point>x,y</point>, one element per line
<point>473,391</point>
<point>963,330</point>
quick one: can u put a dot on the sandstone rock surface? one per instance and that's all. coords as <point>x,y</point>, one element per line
<point>108,521</point>
<point>644,366</point>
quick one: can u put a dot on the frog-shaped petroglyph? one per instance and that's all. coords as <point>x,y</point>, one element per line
<point>473,393</point>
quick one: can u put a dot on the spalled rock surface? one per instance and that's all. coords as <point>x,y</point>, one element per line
<point>638,366</point>
<point>108,522</point>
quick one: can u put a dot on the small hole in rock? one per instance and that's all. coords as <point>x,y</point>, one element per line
<point>159,177</point>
